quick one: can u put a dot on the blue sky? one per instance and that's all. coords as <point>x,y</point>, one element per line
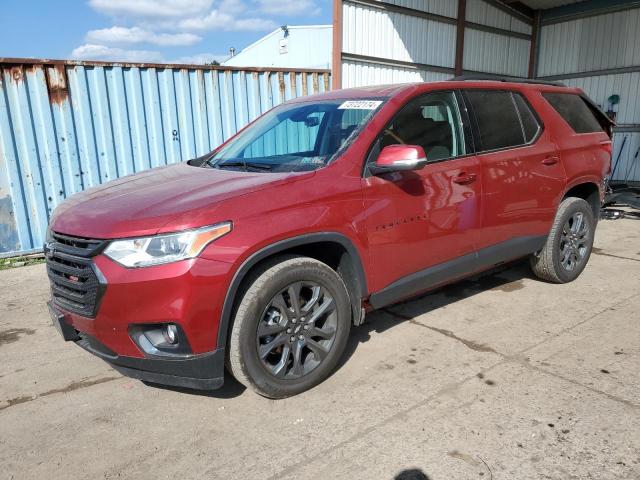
<point>180,31</point>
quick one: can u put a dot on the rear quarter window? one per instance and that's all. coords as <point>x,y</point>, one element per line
<point>575,111</point>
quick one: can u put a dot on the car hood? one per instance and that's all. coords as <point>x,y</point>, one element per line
<point>157,200</point>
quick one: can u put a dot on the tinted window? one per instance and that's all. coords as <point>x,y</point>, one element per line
<point>530,124</point>
<point>431,121</point>
<point>575,111</point>
<point>497,119</point>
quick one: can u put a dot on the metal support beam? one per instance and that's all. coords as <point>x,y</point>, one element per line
<point>336,54</point>
<point>462,17</point>
<point>533,48</point>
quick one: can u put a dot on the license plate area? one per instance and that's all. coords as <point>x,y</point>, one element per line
<point>58,319</point>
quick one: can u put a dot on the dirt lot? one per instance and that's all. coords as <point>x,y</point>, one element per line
<point>501,377</point>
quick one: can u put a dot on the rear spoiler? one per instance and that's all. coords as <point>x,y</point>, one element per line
<point>605,121</point>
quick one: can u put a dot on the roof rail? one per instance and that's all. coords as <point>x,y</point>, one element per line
<point>462,78</point>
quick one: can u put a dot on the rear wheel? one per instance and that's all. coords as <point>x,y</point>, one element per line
<point>568,247</point>
<point>290,327</point>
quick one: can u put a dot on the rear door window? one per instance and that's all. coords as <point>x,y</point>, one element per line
<point>575,111</point>
<point>497,119</point>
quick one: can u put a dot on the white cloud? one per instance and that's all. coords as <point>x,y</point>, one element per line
<point>217,19</point>
<point>90,51</point>
<point>124,35</point>
<point>289,7</point>
<point>151,8</point>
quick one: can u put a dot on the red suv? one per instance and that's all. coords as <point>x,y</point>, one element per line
<point>261,255</point>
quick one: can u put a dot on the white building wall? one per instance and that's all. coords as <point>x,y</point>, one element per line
<point>307,46</point>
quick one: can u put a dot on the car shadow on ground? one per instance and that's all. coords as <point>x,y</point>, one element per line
<point>231,389</point>
<point>507,278</point>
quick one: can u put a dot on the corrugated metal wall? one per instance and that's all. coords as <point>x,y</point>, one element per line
<point>490,52</point>
<point>417,42</point>
<point>601,55</point>
<point>388,39</point>
<point>593,43</point>
<point>68,126</point>
<point>359,73</point>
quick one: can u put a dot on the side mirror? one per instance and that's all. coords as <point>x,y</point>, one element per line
<point>395,158</point>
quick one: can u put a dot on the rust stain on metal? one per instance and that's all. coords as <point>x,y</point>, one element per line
<point>281,85</point>
<point>57,84</point>
<point>292,80</point>
<point>267,77</point>
<point>325,77</point>
<point>10,61</point>
<point>316,88</point>
<point>16,74</point>
<point>304,84</point>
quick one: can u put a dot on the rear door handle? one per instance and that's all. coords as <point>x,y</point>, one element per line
<point>550,161</point>
<point>465,178</point>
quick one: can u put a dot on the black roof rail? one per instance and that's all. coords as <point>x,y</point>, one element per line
<point>463,78</point>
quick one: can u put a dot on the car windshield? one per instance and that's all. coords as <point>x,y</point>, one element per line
<point>295,137</point>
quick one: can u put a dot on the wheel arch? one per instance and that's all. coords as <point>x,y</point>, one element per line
<point>589,191</point>
<point>333,248</point>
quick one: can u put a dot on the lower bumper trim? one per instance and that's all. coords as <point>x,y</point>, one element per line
<point>170,380</point>
<point>199,372</point>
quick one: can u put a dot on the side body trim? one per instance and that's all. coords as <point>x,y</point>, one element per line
<point>281,246</point>
<point>460,267</point>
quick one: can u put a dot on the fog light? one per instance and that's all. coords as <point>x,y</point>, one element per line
<point>171,334</point>
<point>163,339</point>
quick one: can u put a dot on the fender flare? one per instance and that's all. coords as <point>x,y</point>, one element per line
<point>274,248</point>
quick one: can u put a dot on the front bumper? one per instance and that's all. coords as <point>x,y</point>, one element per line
<point>203,371</point>
<point>189,294</point>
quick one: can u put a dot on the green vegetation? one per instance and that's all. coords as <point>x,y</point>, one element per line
<point>14,262</point>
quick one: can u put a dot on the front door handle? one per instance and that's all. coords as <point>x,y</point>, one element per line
<point>550,161</point>
<point>465,178</point>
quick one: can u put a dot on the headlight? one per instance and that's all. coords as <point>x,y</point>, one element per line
<point>165,248</point>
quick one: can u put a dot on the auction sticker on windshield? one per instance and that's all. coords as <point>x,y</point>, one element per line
<point>360,105</point>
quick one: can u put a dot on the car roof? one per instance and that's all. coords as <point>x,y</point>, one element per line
<point>388,91</point>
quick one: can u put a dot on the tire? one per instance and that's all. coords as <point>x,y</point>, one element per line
<point>266,328</point>
<point>566,252</point>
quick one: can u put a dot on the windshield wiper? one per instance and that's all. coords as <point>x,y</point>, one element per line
<point>246,165</point>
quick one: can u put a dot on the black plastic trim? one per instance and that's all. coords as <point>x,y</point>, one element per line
<point>201,372</point>
<point>281,246</point>
<point>460,267</point>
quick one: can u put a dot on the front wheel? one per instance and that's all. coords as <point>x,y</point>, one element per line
<point>290,327</point>
<point>569,243</point>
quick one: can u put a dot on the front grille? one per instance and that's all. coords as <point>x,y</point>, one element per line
<point>76,283</point>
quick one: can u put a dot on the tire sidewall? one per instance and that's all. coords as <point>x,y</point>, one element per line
<point>251,364</point>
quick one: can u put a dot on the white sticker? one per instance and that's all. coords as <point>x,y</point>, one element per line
<point>360,105</point>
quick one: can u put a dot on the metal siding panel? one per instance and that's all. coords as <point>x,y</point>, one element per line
<point>494,53</point>
<point>628,165</point>
<point>592,43</point>
<point>137,119</point>
<point>67,127</point>
<point>358,74</point>
<point>395,36</point>
<point>479,11</point>
<point>447,8</point>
